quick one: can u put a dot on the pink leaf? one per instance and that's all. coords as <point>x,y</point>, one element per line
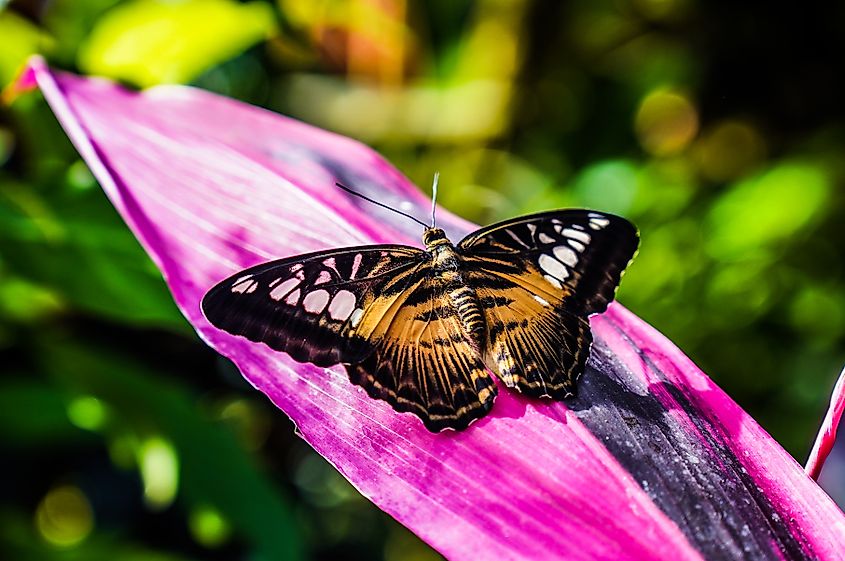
<point>650,461</point>
<point>827,434</point>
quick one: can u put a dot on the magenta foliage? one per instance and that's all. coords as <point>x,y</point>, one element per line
<point>650,461</point>
<point>827,434</point>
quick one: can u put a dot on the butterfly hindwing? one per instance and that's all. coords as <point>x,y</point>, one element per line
<point>316,307</point>
<point>538,278</point>
<point>425,363</point>
<point>533,343</point>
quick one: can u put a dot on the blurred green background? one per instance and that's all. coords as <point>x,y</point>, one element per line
<point>716,126</point>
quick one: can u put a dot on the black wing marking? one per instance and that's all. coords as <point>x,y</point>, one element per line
<point>580,252</point>
<point>316,307</point>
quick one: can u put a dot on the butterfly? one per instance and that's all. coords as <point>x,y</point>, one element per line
<point>424,328</point>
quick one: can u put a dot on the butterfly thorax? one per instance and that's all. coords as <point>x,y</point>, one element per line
<point>447,268</point>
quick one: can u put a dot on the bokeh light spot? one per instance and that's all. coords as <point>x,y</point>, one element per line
<point>666,122</point>
<point>768,208</point>
<point>87,412</point>
<point>64,517</point>
<point>321,484</point>
<point>251,425</point>
<point>79,176</point>
<point>737,287</point>
<point>609,185</point>
<point>819,312</point>
<point>208,527</point>
<point>159,466</point>
<point>729,150</point>
<point>27,302</point>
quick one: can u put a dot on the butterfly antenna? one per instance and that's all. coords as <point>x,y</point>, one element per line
<point>434,199</point>
<point>369,200</point>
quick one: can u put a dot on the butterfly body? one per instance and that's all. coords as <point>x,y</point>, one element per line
<point>447,267</point>
<point>424,329</point>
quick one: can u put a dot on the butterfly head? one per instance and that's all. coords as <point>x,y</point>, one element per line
<point>434,237</point>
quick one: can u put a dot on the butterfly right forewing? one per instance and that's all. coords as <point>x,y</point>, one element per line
<point>538,278</point>
<point>582,252</point>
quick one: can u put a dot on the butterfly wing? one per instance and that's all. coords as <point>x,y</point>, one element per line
<point>584,251</point>
<point>425,363</point>
<point>380,310</point>
<point>538,278</point>
<point>320,307</point>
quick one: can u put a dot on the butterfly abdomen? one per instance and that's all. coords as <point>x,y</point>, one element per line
<point>447,267</point>
<point>469,311</point>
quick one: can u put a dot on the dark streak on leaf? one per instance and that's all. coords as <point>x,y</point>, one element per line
<point>715,503</point>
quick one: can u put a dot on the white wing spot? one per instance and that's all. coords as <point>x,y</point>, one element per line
<point>540,300</point>
<point>577,245</point>
<point>242,279</point>
<point>342,305</point>
<point>516,238</point>
<point>323,277</point>
<point>545,238</point>
<point>566,255</point>
<point>598,223</point>
<point>282,290</point>
<point>356,316</point>
<point>356,264</point>
<point>315,302</point>
<point>295,267</point>
<point>583,237</point>
<point>577,226</point>
<point>293,298</point>
<point>245,286</point>
<point>532,228</point>
<point>553,281</point>
<point>553,267</point>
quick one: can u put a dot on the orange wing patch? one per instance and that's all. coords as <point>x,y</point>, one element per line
<point>533,344</point>
<point>424,362</point>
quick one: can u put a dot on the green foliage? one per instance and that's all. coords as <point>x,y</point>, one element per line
<point>725,148</point>
<point>147,42</point>
<point>159,418</point>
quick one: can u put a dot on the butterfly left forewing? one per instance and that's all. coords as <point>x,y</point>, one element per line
<point>538,278</point>
<point>320,307</point>
<point>379,310</point>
